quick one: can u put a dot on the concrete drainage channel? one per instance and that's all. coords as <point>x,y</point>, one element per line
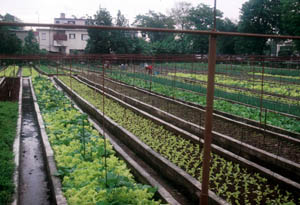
<point>33,183</point>
<point>33,178</point>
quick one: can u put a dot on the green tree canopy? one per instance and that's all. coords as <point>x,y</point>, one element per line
<point>201,18</point>
<point>125,41</point>
<point>154,20</point>
<point>31,45</point>
<point>291,18</point>
<point>9,42</point>
<point>258,16</point>
<point>99,41</point>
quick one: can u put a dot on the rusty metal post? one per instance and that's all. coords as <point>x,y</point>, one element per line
<point>209,113</point>
<point>208,119</point>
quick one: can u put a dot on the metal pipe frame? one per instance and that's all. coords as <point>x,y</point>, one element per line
<point>198,32</point>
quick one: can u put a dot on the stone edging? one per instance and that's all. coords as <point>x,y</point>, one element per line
<point>16,147</point>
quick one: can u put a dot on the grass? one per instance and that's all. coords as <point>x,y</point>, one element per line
<point>8,123</point>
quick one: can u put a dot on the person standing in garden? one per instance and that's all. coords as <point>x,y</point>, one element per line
<point>149,69</point>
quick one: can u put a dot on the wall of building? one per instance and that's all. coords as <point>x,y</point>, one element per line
<point>47,41</point>
<point>77,43</point>
<point>76,39</point>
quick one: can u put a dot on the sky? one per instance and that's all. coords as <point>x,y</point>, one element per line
<point>44,11</point>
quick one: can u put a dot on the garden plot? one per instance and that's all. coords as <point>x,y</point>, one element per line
<point>185,154</point>
<point>271,118</point>
<point>267,141</point>
<point>80,154</point>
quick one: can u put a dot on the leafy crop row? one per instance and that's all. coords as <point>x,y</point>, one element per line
<point>26,71</point>
<point>50,70</point>
<point>220,93</point>
<point>10,71</point>
<point>236,91</point>
<point>90,171</point>
<point>221,105</point>
<point>232,69</point>
<point>8,125</point>
<point>227,179</point>
<point>284,89</point>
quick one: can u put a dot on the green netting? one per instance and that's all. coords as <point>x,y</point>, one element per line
<point>235,69</point>
<point>238,97</point>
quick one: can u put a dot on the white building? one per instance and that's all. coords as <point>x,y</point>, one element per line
<point>64,40</point>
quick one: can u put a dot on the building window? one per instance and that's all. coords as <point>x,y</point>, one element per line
<point>57,22</point>
<point>72,36</point>
<point>71,22</point>
<point>84,37</point>
<point>44,36</point>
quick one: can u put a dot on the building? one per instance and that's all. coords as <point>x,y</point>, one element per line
<point>64,40</point>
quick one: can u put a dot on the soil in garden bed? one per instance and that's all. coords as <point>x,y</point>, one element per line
<point>34,186</point>
<point>247,135</point>
<point>9,89</point>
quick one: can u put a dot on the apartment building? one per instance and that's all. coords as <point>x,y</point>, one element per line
<point>64,40</point>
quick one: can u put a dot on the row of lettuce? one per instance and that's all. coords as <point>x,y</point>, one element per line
<point>274,91</point>
<point>87,164</point>
<point>271,118</point>
<point>236,69</point>
<point>197,88</point>
<point>229,180</point>
<point>8,124</point>
<point>10,71</point>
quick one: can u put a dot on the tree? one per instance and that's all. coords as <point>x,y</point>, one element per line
<point>258,16</point>
<point>201,18</point>
<point>291,19</point>
<point>114,41</point>
<point>154,20</point>
<point>30,45</point>
<point>125,41</point>
<point>180,13</point>
<point>226,44</point>
<point>99,41</point>
<point>9,42</point>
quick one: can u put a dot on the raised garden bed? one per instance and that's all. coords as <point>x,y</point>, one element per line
<point>280,165</point>
<point>185,154</point>
<point>80,154</point>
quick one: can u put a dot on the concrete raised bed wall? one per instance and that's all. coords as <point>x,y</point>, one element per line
<point>16,146</point>
<point>190,185</point>
<point>280,165</point>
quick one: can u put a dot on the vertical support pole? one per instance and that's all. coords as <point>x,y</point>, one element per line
<point>208,119</point>
<point>70,73</point>
<point>261,93</point>
<point>103,111</point>
<point>209,112</point>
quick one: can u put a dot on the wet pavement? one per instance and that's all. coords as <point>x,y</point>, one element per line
<point>33,188</point>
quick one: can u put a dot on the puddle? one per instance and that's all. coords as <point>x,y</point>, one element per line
<point>33,188</point>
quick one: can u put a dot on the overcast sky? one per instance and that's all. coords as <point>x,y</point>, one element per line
<point>45,11</point>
